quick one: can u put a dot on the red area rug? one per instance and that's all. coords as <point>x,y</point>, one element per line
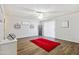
<point>45,44</point>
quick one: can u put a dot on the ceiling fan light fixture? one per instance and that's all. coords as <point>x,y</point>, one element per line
<point>40,16</point>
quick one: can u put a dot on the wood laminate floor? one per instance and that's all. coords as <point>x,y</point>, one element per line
<point>25,47</point>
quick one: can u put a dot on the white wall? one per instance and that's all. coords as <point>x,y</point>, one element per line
<point>6,47</point>
<point>71,33</point>
<point>1,26</point>
<point>74,25</point>
<point>61,32</point>
<point>25,30</point>
<point>15,15</point>
<point>49,29</point>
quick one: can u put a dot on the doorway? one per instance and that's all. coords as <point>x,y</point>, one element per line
<point>47,29</point>
<point>40,29</point>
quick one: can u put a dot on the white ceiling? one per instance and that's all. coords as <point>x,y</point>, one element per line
<point>49,7</point>
<point>49,10</point>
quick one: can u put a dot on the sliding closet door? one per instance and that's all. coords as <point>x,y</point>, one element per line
<point>49,29</point>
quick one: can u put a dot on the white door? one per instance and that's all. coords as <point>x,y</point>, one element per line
<point>49,29</point>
